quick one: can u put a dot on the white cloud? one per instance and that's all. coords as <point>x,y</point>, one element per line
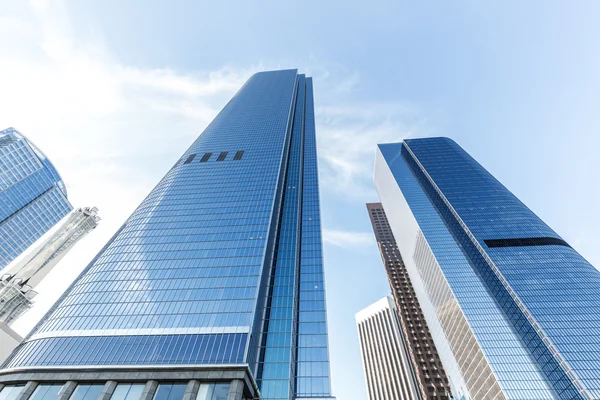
<point>347,239</point>
<point>112,130</point>
<point>348,137</point>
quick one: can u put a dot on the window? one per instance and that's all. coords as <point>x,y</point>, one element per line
<point>213,391</point>
<point>86,392</point>
<point>190,158</point>
<point>238,155</point>
<point>46,391</point>
<point>170,391</point>
<point>11,392</point>
<point>128,391</point>
<point>222,156</point>
<point>206,157</point>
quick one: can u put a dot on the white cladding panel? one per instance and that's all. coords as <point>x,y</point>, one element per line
<point>388,369</point>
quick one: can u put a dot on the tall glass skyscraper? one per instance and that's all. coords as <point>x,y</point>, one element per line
<point>213,288</point>
<point>513,308</point>
<point>33,197</point>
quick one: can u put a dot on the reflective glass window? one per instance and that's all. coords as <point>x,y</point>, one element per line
<point>128,391</point>
<point>11,392</point>
<point>170,391</point>
<point>213,391</point>
<point>86,392</point>
<point>46,392</point>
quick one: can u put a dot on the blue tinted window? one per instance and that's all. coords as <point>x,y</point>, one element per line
<point>46,392</point>
<point>170,391</point>
<point>120,350</point>
<point>11,392</point>
<point>86,392</point>
<point>213,391</point>
<point>128,391</point>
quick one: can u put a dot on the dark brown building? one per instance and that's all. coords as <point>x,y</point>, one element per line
<point>431,376</point>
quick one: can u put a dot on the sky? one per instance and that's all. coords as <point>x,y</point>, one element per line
<point>114,92</point>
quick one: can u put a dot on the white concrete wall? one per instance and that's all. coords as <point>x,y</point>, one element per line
<point>9,340</point>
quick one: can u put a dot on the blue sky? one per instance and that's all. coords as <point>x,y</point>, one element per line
<point>115,91</point>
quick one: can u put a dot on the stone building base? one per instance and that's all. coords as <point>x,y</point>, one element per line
<point>241,383</point>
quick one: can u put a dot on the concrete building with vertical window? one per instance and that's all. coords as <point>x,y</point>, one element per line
<point>213,288</point>
<point>422,353</point>
<point>389,370</point>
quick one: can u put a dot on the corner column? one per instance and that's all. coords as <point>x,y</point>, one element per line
<point>236,390</point>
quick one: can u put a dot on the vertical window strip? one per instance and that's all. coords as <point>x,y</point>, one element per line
<point>206,157</point>
<point>190,158</point>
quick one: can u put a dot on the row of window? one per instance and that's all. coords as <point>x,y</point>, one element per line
<point>221,157</point>
<point>31,222</point>
<point>16,163</point>
<point>123,391</point>
<point>132,350</point>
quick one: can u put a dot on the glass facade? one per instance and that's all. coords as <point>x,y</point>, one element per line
<point>220,264</point>
<point>516,306</point>
<point>33,197</point>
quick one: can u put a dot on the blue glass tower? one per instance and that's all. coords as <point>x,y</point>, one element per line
<point>216,279</point>
<point>33,197</point>
<point>513,308</point>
